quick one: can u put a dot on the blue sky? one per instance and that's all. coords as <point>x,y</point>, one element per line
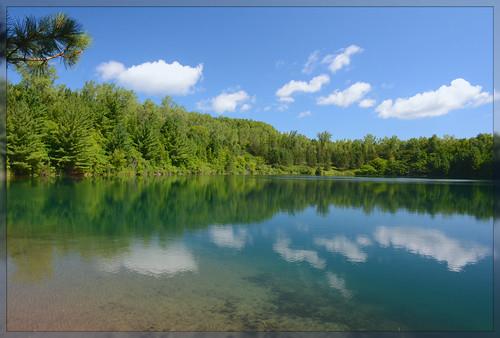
<point>385,71</point>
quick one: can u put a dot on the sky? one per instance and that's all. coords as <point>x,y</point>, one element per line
<point>404,71</point>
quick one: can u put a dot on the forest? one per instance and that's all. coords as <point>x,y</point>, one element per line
<point>103,130</point>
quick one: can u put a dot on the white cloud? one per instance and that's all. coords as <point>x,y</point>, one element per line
<point>343,246</point>
<point>282,247</point>
<point>432,243</point>
<point>285,93</point>
<point>227,102</point>
<point>154,78</point>
<point>346,97</point>
<point>227,237</point>
<point>282,107</point>
<point>342,59</point>
<point>311,62</point>
<point>110,70</point>
<point>459,94</point>
<point>304,114</point>
<point>245,107</point>
<point>367,103</point>
<point>278,106</point>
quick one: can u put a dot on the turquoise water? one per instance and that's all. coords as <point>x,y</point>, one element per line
<point>249,254</point>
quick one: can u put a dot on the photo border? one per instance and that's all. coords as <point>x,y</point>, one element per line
<point>494,4</point>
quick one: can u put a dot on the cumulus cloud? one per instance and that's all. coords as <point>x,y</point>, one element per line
<point>110,70</point>
<point>227,237</point>
<point>227,102</point>
<point>346,97</point>
<point>282,247</point>
<point>304,114</point>
<point>367,103</point>
<point>343,246</point>
<point>285,93</point>
<point>432,243</point>
<point>154,78</point>
<point>311,62</point>
<point>338,61</point>
<point>458,95</point>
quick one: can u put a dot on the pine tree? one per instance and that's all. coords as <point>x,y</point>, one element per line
<point>25,148</point>
<point>34,42</point>
<point>176,143</point>
<point>72,144</point>
<point>145,134</point>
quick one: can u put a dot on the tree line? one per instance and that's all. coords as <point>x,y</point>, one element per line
<point>102,129</point>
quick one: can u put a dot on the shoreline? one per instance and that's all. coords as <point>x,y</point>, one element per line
<point>384,179</point>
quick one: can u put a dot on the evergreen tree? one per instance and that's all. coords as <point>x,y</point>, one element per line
<point>26,151</point>
<point>34,42</point>
<point>73,145</point>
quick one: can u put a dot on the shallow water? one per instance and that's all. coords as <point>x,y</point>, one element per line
<point>249,254</point>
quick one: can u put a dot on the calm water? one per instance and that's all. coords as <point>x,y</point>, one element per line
<point>249,253</point>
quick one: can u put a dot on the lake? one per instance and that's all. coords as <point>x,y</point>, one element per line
<point>249,254</point>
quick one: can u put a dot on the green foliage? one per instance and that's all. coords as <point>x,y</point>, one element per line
<point>379,164</point>
<point>175,141</point>
<point>104,130</point>
<point>34,42</point>
<point>26,151</point>
<point>366,170</point>
<point>145,132</point>
<point>74,145</point>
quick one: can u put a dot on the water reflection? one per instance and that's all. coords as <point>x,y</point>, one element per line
<point>363,240</point>
<point>115,207</point>
<point>339,284</point>
<point>434,244</point>
<point>228,237</point>
<point>282,247</point>
<point>344,246</point>
<point>34,261</point>
<point>152,259</point>
<point>232,253</point>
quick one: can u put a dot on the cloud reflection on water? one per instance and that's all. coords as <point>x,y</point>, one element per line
<point>343,246</point>
<point>227,237</point>
<point>432,243</point>
<point>282,247</point>
<point>363,240</point>
<point>153,260</point>
<point>339,284</point>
